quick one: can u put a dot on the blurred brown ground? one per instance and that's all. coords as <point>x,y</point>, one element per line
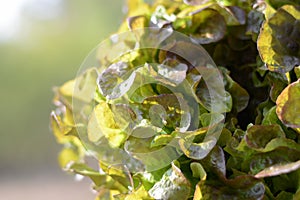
<point>45,187</point>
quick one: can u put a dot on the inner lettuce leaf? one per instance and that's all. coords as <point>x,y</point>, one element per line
<point>102,124</point>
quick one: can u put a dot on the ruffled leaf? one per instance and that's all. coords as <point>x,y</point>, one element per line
<point>278,41</point>
<point>173,185</point>
<point>288,105</point>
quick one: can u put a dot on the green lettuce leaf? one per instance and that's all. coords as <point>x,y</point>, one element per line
<point>288,105</point>
<point>173,185</point>
<point>278,41</point>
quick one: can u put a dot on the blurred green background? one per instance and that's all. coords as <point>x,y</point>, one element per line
<point>42,44</point>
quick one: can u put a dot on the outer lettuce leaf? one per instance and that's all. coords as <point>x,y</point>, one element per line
<point>173,185</point>
<point>278,41</point>
<point>208,26</point>
<point>257,137</point>
<point>241,186</point>
<point>288,105</point>
<point>279,169</point>
<point>262,147</point>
